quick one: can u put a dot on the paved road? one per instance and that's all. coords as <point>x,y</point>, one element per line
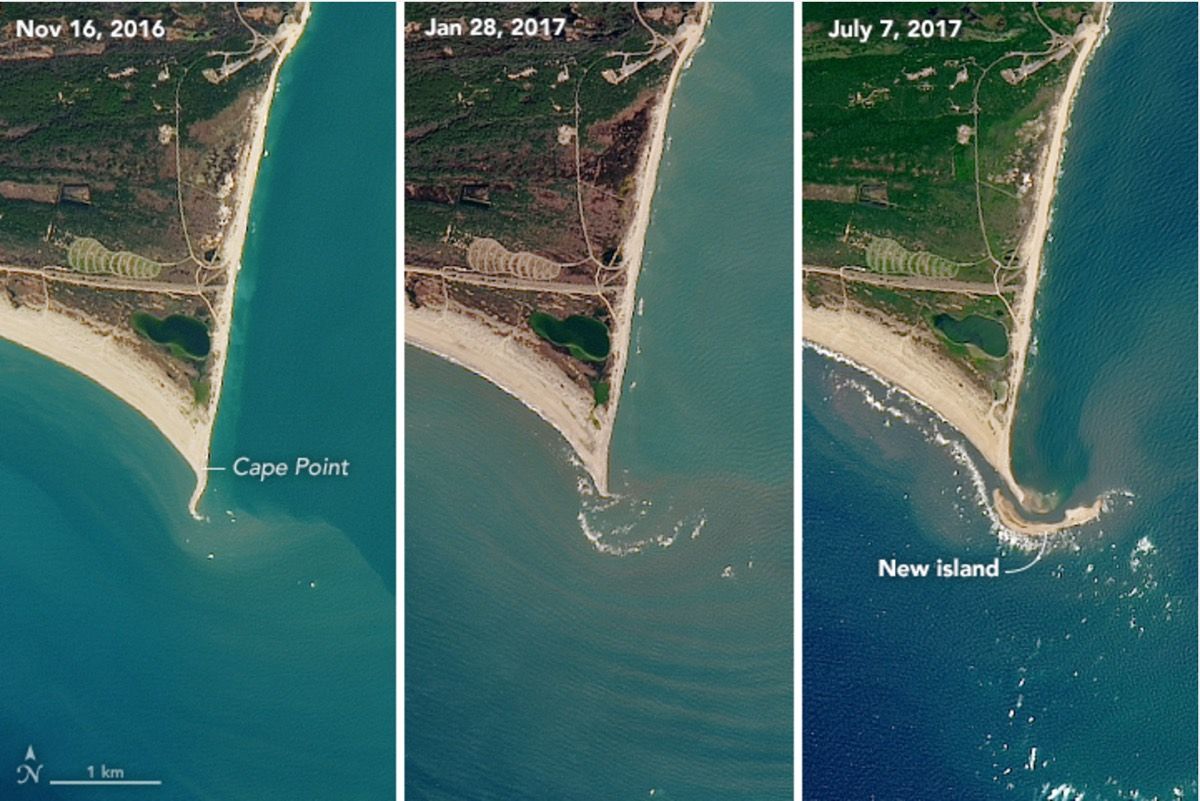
<point>905,281</point>
<point>63,276</point>
<point>502,282</point>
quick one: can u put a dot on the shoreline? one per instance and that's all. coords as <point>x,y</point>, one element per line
<point>1033,244</point>
<point>232,248</point>
<point>535,381</point>
<point>931,379</point>
<point>635,240</point>
<point>104,357</point>
<point>908,365</point>
<point>902,364</point>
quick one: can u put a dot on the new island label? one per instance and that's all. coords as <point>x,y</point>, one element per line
<point>941,568</point>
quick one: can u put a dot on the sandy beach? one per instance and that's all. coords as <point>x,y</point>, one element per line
<point>1034,241</point>
<point>232,246</point>
<point>109,358</point>
<point>535,381</point>
<point>897,359</point>
<point>516,368</point>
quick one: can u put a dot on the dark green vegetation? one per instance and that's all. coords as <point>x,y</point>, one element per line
<point>483,149</point>
<point>984,333</point>
<point>885,115</point>
<point>921,157</point>
<point>585,337</point>
<point>600,392</point>
<point>186,337</point>
<point>201,391</point>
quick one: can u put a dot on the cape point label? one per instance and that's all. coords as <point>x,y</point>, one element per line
<point>302,466</point>
<point>890,568</point>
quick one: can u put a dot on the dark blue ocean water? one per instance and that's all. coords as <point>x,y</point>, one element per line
<point>560,646</point>
<point>920,690</point>
<point>266,672</point>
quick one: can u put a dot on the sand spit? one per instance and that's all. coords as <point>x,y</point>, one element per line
<point>635,239</point>
<point>1033,243</point>
<point>231,253</point>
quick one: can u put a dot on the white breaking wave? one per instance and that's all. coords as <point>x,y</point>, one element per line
<point>612,541</point>
<point>622,536</point>
<point>1063,792</point>
<point>956,448</point>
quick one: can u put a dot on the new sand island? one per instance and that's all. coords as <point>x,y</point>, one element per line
<point>531,156</point>
<point>131,137</point>
<point>932,147</point>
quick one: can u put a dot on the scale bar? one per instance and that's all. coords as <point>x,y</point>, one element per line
<point>108,782</point>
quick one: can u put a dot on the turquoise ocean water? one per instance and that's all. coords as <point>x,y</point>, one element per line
<point>559,645</point>
<point>916,690</point>
<point>266,672</point>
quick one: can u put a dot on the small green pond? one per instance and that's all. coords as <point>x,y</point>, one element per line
<point>988,335</point>
<point>187,337</point>
<point>585,337</point>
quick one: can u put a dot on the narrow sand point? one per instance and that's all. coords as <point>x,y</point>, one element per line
<point>232,246</point>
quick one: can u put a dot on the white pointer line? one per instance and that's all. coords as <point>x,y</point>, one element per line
<point>1034,562</point>
<point>214,468</point>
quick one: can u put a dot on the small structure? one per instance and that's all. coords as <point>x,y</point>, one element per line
<point>476,194</point>
<point>75,193</point>
<point>873,195</point>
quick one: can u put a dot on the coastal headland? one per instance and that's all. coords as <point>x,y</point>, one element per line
<point>507,352</point>
<point>80,318</point>
<point>913,359</point>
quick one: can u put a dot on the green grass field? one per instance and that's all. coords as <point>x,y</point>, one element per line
<point>87,255</point>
